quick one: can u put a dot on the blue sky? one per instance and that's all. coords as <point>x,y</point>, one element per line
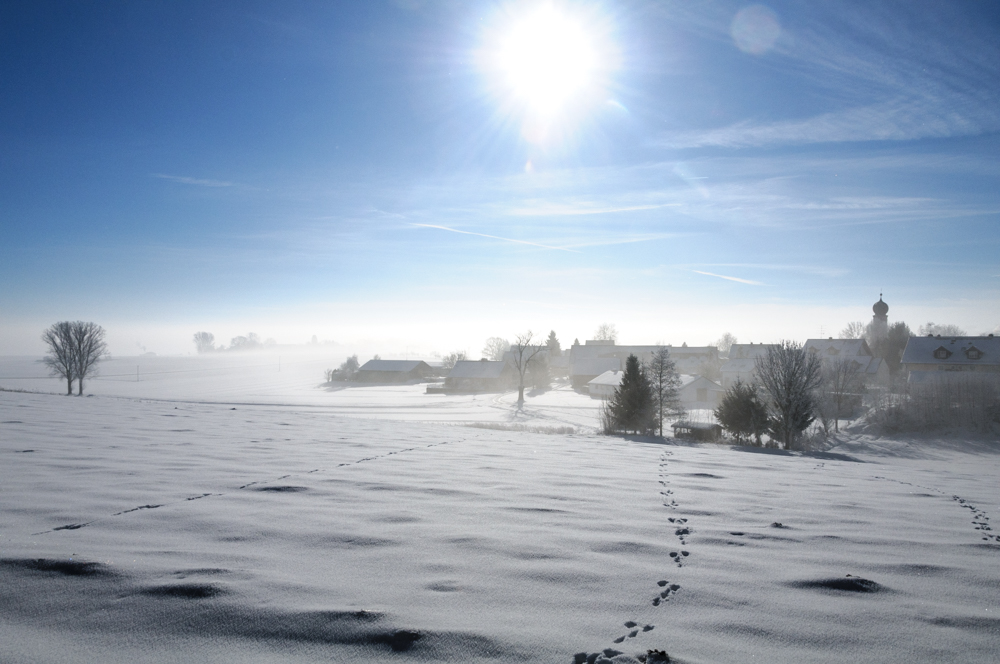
<point>355,171</point>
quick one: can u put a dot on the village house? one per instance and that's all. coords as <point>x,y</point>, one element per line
<point>742,363</point>
<point>604,386</point>
<point>698,392</point>
<point>583,371</point>
<point>394,371</point>
<point>872,369</point>
<point>584,367</point>
<point>932,358</point>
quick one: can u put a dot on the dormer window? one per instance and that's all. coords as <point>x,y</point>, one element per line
<point>832,351</point>
<point>942,353</point>
<point>973,353</point>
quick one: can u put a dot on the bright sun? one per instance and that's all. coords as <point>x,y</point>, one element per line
<point>546,58</point>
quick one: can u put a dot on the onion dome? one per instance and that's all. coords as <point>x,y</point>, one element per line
<point>880,308</point>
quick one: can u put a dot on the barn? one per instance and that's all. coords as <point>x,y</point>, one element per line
<point>394,371</point>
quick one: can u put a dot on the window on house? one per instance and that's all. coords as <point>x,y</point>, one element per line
<point>973,353</point>
<point>942,353</point>
<point>702,394</point>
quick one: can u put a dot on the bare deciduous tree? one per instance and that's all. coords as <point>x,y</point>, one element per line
<point>725,342</point>
<point>204,342</point>
<point>249,342</point>
<point>495,348</point>
<point>665,383</point>
<point>946,330</point>
<point>348,370</point>
<point>449,360</point>
<point>88,349</point>
<point>59,360</point>
<point>523,352</point>
<point>606,332</point>
<point>855,330</point>
<point>790,377</point>
<point>841,392</point>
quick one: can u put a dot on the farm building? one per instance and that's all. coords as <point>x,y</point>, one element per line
<point>481,376</point>
<point>393,371</point>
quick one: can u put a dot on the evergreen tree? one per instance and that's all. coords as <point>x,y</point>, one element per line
<point>890,347</point>
<point>552,344</point>
<point>665,385</point>
<point>743,413</point>
<point>631,406</point>
<point>538,373</point>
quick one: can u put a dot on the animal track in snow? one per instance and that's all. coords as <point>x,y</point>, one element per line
<point>277,489</point>
<point>980,519</point>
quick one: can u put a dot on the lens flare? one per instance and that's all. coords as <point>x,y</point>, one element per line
<point>755,29</point>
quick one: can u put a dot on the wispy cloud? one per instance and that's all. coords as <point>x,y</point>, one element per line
<point>194,181</point>
<point>495,237</point>
<point>736,279</point>
<point>820,270</point>
<point>891,74</point>
<point>556,210</point>
<point>897,120</point>
<point>607,241</point>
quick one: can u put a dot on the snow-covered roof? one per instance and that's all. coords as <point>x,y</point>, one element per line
<point>608,378</point>
<point>688,380</point>
<point>394,366</point>
<point>952,351</point>
<point>874,365</point>
<point>480,369</point>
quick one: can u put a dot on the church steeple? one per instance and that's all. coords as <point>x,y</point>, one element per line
<point>880,321</point>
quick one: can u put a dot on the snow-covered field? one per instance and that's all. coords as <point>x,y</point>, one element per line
<point>235,516</point>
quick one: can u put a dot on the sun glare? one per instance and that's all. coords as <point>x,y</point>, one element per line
<point>546,58</point>
<point>548,66</point>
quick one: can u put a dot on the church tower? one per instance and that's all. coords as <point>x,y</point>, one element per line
<point>880,321</point>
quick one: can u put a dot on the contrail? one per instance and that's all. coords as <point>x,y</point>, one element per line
<point>496,237</point>
<point>722,276</point>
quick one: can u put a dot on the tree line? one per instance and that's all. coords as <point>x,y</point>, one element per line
<point>204,342</point>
